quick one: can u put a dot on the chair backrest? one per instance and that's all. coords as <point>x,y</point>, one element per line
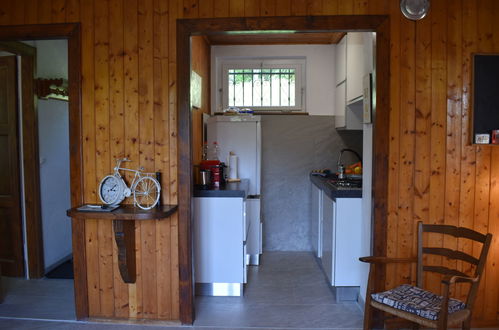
<point>457,232</point>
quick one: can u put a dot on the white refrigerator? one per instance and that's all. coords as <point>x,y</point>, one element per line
<point>242,136</point>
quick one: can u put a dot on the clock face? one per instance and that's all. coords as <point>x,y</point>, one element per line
<point>110,190</point>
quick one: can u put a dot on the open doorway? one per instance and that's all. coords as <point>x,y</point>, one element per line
<point>188,28</point>
<point>33,253</point>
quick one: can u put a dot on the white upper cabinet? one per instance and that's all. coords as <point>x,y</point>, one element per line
<point>355,66</point>
<point>341,61</point>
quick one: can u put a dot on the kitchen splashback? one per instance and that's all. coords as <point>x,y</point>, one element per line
<point>291,147</point>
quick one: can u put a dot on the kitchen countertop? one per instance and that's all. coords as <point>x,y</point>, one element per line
<point>333,192</point>
<point>230,189</point>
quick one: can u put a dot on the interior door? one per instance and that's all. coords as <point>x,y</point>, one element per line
<point>11,240</point>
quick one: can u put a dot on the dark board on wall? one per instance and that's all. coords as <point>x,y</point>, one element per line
<point>485,93</point>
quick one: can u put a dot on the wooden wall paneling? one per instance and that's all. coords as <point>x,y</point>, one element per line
<point>483,157</point>
<point>18,16</point>
<point>298,8</point>
<point>206,8</point>
<point>394,142</point>
<point>190,8</point>
<point>453,126</point>
<point>88,130</point>
<point>173,163</point>
<point>251,8</point>
<point>163,234</point>
<point>360,7</point>
<point>467,184</point>
<point>161,115</point>
<point>44,13</point>
<point>314,7</point>
<point>346,7</point>
<point>282,8</point>
<point>438,131</point>
<point>146,153</point>
<point>378,7</point>
<point>31,12</point>
<point>117,133</point>
<point>492,300</point>
<point>58,11</point>
<point>487,220</point>
<point>267,7</point>
<point>103,165</point>
<point>72,10</point>
<point>131,118</point>
<point>405,226</point>
<point>330,7</point>
<point>236,8</point>
<point>4,13</point>
<point>422,146</point>
<point>220,8</point>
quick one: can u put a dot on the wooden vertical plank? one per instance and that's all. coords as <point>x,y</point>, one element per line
<point>220,8</point>
<point>298,8</point>
<point>161,148</point>
<point>468,161</point>
<point>44,13</point>
<point>146,138</point>
<point>102,149</point>
<point>330,7</point>
<point>405,225</point>
<point>206,8</point>
<point>378,7</point>
<point>174,266</point>
<point>92,262</point>
<point>393,161</point>
<point>117,131</point>
<point>5,13</point>
<point>31,12</point>
<point>360,7</point>
<point>438,120</point>
<point>251,8</point>
<point>314,7</point>
<point>283,7</point>
<point>423,121</point>
<point>191,8</point>
<point>483,158</point>
<point>58,11</point>
<point>267,7</point>
<point>346,7</point>
<point>453,127</point>
<point>17,16</point>
<point>236,8</point>
<point>72,11</point>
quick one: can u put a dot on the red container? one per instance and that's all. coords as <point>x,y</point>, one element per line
<point>495,136</point>
<point>217,171</point>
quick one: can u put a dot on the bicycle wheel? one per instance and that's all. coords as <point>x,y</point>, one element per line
<point>146,192</point>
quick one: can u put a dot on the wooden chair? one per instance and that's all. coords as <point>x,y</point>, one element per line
<point>406,301</point>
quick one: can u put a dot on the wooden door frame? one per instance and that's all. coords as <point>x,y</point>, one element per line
<point>71,32</point>
<point>192,27</point>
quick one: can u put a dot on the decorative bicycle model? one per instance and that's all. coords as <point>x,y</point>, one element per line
<point>145,188</point>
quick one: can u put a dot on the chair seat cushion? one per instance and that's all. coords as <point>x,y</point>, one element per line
<point>417,301</point>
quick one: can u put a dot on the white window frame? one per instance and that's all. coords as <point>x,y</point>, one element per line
<point>260,63</point>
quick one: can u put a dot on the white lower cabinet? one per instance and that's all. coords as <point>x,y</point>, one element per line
<point>220,232</point>
<point>341,248</point>
<point>316,220</point>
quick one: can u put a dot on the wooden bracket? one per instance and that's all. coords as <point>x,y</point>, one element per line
<point>124,235</point>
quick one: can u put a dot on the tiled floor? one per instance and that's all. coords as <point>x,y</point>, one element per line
<point>287,291</point>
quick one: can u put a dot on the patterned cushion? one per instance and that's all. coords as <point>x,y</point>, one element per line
<point>417,301</point>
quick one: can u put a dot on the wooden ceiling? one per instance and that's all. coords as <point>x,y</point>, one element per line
<point>276,38</point>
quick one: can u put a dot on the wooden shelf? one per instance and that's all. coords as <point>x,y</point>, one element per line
<point>126,212</point>
<point>124,219</point>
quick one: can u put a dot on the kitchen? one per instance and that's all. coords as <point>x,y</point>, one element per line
<point>292,145</point>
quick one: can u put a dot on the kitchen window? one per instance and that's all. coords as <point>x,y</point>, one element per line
<point>274,85</point>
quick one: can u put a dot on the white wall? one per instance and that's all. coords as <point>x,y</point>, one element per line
<point>319,70</point>
<point>53,137</point>
<point>367,157</point>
